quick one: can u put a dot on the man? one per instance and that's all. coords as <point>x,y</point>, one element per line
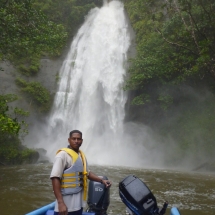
<point>69,177</point>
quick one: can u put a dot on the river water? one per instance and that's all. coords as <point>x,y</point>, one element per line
<point>28,187</point>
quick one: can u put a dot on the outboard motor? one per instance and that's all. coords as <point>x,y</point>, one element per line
<point>98,197</point>
<point>138,198</point>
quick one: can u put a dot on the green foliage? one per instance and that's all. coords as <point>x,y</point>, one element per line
<point>10,123</point>
<point>32,28</point>
<point>31,70</point>
<point>12,152</point>
<point>12,127</point>
<point>175,41</point>
<point>70,13</point>
<point>27,31</point>
<point>141,99</point>
<point>165,100</point>
<point>36,93</point>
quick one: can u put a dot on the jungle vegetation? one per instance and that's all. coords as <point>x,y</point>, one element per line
<point>29,30</point>
<point>172,77</point>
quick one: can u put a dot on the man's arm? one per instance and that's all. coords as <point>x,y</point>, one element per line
<point>57,191</point>
<point>94,177</point>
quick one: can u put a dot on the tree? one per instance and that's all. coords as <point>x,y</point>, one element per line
<point>175,42</point>
<point>174,64</point>
<point>26,31</point>
<point>12,127</point>
<point>9,123</point>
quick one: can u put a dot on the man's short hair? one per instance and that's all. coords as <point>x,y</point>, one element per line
<point>75,131</point>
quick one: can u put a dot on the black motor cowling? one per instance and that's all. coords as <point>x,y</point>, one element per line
<point>138,198</point>
<point>98,197</point>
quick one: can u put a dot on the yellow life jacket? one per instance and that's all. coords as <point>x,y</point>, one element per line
<point>75,177</point>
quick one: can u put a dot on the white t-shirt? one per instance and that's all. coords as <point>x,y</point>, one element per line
<point>63,161</point>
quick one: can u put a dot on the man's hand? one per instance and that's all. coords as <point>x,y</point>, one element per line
<point>57,191</point>
<point>94,177</point>
<point>62,208</point>
<point>107,183</point>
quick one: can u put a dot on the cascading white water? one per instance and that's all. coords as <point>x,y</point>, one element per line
<point>91,96</point>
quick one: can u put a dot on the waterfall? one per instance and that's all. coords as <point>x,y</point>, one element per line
<point>90,95</point>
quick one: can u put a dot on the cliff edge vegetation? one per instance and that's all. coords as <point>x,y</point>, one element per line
<point>172,77</point>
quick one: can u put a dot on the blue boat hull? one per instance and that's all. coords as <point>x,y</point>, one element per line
<point>49,210</point>
<point>43,210</point>
<point>174,211</point>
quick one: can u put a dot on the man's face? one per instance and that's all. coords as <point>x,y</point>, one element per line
<point>75,141</point>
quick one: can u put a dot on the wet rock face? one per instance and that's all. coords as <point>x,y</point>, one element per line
<point>48,76</point>
<point>33,158</point>
<point>42,156</point>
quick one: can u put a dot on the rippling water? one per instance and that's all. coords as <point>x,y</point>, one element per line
<point>28,187</point>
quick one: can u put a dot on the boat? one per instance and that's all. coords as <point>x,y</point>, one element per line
<point>134,193</point>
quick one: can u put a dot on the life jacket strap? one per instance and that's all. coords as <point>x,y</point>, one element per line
<point>69,151</point>
<point>84,174</point>
<point>72,174</point>
<point>71,180</point>
<point>71,185</point>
